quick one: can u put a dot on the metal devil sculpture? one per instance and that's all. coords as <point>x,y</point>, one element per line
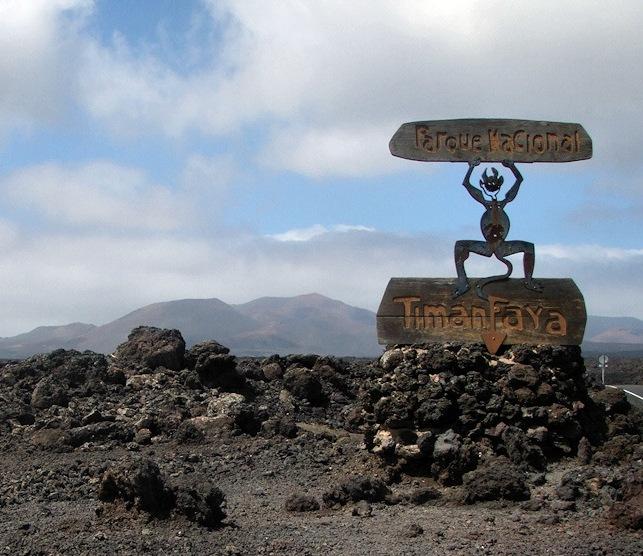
<point>495,227</point>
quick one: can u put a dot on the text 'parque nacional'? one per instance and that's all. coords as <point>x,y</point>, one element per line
<point>491,140</point>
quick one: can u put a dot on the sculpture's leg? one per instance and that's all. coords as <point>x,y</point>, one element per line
<point>461,254</point>
<point>528,261</point>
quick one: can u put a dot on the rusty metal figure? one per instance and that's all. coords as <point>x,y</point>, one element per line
<point>495,227</point>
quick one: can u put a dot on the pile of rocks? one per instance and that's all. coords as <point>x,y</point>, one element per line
<point>447,409</point>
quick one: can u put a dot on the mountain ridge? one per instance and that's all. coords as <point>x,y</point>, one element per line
<point>308,323</point>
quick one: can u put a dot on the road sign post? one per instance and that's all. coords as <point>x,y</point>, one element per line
<point>602,361</point>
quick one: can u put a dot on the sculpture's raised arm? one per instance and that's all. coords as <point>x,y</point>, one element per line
<point>511,194</point>
<point>473,191</point>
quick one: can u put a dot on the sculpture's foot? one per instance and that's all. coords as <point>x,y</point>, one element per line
<point>531,284</point>
<point>461,287</point>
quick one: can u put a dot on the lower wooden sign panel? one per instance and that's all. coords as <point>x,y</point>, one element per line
<point>418,310</point>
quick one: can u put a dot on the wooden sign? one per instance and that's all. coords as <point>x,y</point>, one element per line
<point>422,310</point>
<point>491,140</point>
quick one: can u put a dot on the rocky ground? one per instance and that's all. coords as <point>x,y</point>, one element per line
<point>439,449</point>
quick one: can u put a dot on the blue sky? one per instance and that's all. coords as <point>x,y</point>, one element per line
<point>154,150</point>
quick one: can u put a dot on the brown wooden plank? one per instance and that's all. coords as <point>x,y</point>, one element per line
<point>491,140</point>
<point>417,310</point>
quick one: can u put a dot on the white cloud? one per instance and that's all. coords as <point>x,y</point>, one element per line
<point>317,230</point>
<point>328,82</point>
<point>207,182</point>
<point>37,59</point>
<point>331,81</point>
<point>321,152</point>
<point>98,276</point>
<point>96,194</point>
<point>588,253</point>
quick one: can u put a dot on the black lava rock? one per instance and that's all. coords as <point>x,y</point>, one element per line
<point>304,384</point>
<point>498,479</point>
<point>301,503</point>
<point>152,347</point>
<point>356,489</point>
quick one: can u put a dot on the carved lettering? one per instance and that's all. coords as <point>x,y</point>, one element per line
<point>539,144</point>
<point>494,309</point>
<point>480,314</point>
<point>419,321</point>
<point>519,141</point>
<point>504,142</point>
<point>557,324</point>
<point>507,143</point>
<point>408,305</point>
<point>415,310</point>
<point>513,319</point>
<point>431,315</point>
<point>567,143</point>
<point>506,315</point>
<point>494,140</point>
<point>459,318</point>
<point>534,314</point>
<point>552,141</point>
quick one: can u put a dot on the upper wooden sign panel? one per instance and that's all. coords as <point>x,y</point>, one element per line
<point>491,140</point>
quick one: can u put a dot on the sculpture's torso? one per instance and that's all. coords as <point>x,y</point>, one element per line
<point>494,223</point>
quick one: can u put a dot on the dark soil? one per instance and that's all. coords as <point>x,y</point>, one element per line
<point>439,449</point>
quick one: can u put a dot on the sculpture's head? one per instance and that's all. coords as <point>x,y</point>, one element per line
<point>491,184</point>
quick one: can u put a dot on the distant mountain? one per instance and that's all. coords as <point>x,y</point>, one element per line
<point>322,324</point>
<point>614,335</point>
<point>44,339</point>
<point>197,319</point>
<point>616,330</point>
<point>303,324</point>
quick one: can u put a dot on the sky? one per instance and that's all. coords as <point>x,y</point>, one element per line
<point>153,150</point>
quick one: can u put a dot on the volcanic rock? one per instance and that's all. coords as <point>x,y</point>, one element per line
<point>152,347</point>
<point>450,412</point>
<point>139,484</point>
<point>215,367</point>
<point>301,503</point>
<point>200,501</point>
<point>272,371</point>
<point>613,400</point>
<point>356,489</point>
<point>48,392</point>
<point>496,479</point>
<point>304,384</point>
